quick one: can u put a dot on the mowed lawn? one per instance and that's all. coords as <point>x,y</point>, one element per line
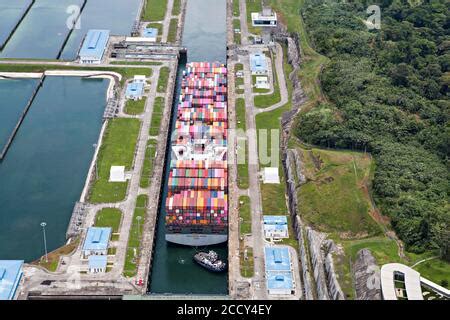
<point>109,217</point>
<point>245,219</point>
<point>135,107</point>
<point>134,240</point>
<point>155,10</point>
<point>158,111</point>
<point>173,29</point>
<point>253,6</point>
<point>163,79</point>
<point>118,147</point>
<point>334,197</point>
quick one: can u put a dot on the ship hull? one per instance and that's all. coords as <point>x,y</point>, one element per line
<point>197,240</point>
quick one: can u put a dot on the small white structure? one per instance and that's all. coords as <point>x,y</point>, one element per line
<point>270,175</point>
<point>266,18</point>
<point>262,83</point>
<point>139,40</point>
<point>117,174</point>
<point>97,264</point>
<point>140,79</point>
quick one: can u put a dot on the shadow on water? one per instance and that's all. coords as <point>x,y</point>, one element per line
<point>173,269</point>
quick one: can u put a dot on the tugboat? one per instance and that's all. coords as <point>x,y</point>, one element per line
<point>210,261</point>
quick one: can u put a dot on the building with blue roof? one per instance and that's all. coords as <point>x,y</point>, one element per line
<point>279,277</point>
<point>280,283</point>
<point>258,64</point>
<point>134,91</point>
<point>94,46</point>
<point>150,33</point>
<point>277,259</point>
<point>11,272</point>
<point>275,227</point>
<point>97,264</point>
<point>96,242</point>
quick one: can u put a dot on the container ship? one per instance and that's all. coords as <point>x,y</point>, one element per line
<point>197,200</point>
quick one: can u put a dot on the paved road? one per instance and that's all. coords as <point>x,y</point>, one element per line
<point>244,27</point>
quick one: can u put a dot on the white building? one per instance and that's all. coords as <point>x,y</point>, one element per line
<point>270,175</point>
<point>266,18</point>
<point>140,79</point>
<point>117,174</point>
<point>262,83</point>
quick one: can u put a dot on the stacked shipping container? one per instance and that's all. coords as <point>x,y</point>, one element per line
<point>197,200</point>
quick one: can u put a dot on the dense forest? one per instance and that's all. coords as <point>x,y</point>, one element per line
<point>388,92</point>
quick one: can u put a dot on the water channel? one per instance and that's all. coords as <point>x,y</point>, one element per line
<point>173,270</point>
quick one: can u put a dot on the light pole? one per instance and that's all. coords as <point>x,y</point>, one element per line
<point>43,224</point>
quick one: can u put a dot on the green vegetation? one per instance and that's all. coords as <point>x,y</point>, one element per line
<point>312,62</point>
<point>237,26</point>
<point>147,169</point>
<point>109,217</point>
<point>158,110</point>
<point>176,9</point>
<point>245,218</point>
<point>163,79</point>
<point>236,9</point>
<point>155,10</point>
<point>388,91</point>
<point>274,197</point>
<point>118,147</point>
<point>54,256</point>
<point>253,6</point>
<point>242,168</point>
<point>435,270</point>
<point>240,114</point>
<point>247,263</point>
<point>335,196</point>
<point>135,107</point>
<point>134,240</point>
<point>173,29</point>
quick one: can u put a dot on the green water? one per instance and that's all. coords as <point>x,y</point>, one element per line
<point>10,14</point>
<point>42,33</point>
<point>173,270</point>
<point>44,171</point>
<point>14,95</point>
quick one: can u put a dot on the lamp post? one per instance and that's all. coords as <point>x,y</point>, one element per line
<point>43,224</point>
